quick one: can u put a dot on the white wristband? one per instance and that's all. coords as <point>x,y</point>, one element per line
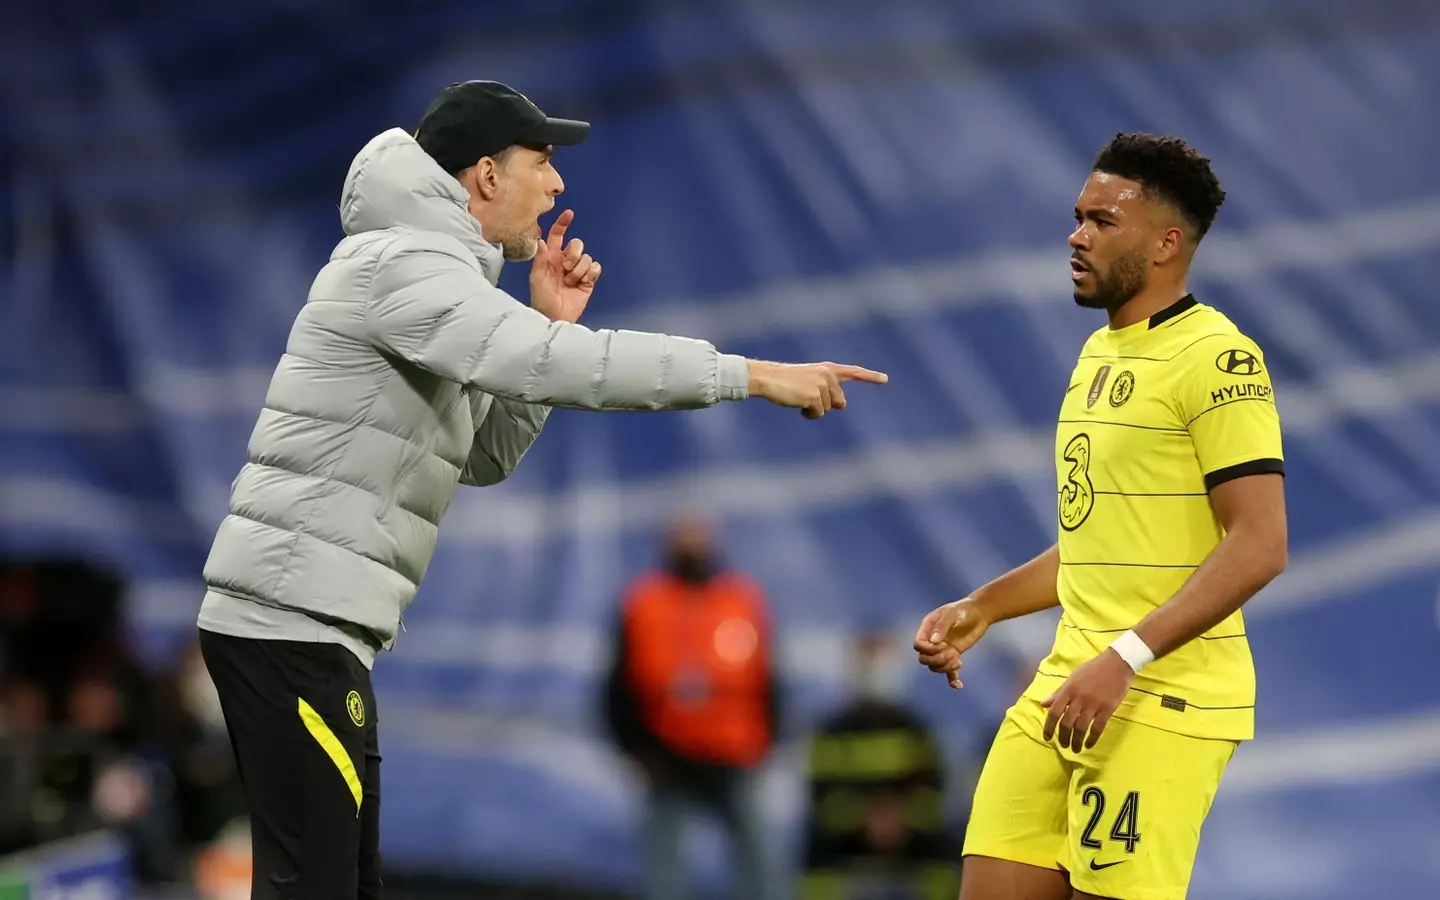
<point>1133,650</point>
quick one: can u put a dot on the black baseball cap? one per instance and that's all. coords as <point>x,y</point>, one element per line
<point>472,119</point>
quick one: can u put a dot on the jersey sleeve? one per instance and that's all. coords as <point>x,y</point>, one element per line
<point>1228,404</point>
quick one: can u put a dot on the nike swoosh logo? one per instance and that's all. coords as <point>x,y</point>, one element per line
<point>1096,867</point>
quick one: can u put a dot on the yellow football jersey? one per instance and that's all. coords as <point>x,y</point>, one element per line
<point>1157,414</point>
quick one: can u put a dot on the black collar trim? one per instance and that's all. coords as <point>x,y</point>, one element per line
<point>1179,306</point>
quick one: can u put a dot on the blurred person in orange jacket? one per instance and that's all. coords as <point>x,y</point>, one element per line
<point>692,700</point>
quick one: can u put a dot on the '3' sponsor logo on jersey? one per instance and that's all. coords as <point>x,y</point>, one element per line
<point>1077,494</point>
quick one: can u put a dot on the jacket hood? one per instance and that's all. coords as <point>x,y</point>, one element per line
<point>393,181</point>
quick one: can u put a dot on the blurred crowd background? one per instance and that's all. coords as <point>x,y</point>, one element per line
<point>884,184</point>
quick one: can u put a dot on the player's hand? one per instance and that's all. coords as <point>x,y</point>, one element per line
<point>946,633</point>
<point>813,388</point>
<point>562,276</point>
<point>1083,705</point>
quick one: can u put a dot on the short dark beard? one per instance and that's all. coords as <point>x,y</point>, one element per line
<point>520,248</point>
<point>1118,286</point>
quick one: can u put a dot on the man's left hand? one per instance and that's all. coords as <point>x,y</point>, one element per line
<point>562,276</point>
<point>1085,702</point>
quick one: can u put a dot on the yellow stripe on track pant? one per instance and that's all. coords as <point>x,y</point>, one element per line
<point>333,748</point>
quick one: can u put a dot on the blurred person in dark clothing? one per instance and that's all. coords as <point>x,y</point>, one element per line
<point>75,749</point>
<point>876,828</point>
<point>692,700</point>
<point>60,626</point>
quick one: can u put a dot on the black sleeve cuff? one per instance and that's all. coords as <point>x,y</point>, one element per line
<point>1241,470</point>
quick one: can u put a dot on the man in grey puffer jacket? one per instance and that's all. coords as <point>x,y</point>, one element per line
<point>408,371</point>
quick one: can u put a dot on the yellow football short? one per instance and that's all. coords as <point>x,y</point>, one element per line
<point>1123,818</point>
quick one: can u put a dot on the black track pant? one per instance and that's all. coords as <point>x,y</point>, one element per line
<point>301,718</point>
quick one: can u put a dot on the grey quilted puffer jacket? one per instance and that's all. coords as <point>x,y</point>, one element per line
<point>408,371</point>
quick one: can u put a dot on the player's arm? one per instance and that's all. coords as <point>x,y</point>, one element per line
<point>429,306</point>
<point>432,308</point>
<point>1253,551</point>
<point>955,627</point>
<point>1025,589</point>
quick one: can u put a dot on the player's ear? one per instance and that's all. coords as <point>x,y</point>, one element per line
<point>481,179</point>
<point>1170,245</point>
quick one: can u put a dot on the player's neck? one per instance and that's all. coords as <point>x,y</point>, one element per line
<point>1146,304</point>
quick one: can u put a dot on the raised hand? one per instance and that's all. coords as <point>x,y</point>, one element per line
<point>562,276</point>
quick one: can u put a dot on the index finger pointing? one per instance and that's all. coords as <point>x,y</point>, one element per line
<point>555,240</point>
<point>857,373</point>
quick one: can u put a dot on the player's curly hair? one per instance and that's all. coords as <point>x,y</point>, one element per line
<point>1170,171</point>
